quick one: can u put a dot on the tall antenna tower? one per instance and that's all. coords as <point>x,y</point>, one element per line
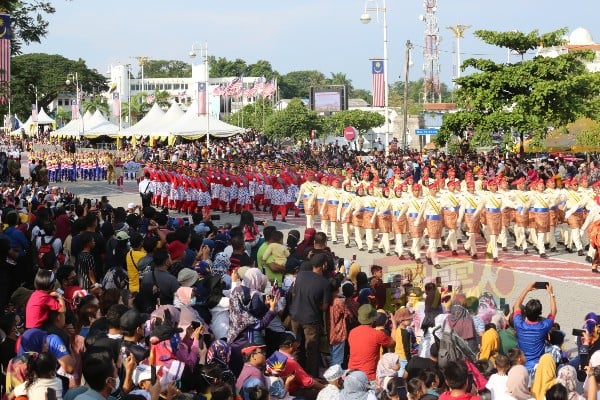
<point>432,89</point>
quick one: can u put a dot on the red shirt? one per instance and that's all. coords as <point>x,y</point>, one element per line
<point>466,396</point>
<point>38,308</point>
<point>365,346</point>
<point>302,380</point>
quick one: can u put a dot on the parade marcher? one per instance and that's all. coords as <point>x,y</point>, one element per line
<point>307,195</point>
<point>331,204</point>
<point>507,213</point>
<point>383,211</point>
<point>399,206</point>
<point>369,217</point>
<point>346,197</point>
<point>356,210</point>
<point>450,210</point>
<point>415,203</point>
<point>431,211</point>
<point>491,203</point>
<point>520,201</point>
<point>468,207</point>
<point>575,200</point>
<point>554,198</point>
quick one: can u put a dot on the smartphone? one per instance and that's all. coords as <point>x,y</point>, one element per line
<point>449,288</point>
<point>186,221</point>
<point>438,281</point>
<point>577,332</point>
<point>502,302</point>
<point>540,285</point>
<point>153,374</point>
<point>214,217</point>
<point>195,324</point>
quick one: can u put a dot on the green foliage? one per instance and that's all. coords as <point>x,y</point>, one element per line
<point>96,102</point>
<point>28,24</point>
<point>252,115</point>
<point>166,69</point>
<point>361,120</point>
<point>48,72</point>
<point>139,107</point>
<point>520,42</point>
<point>361,94</point>
<point>295,121</point>
<point>298,83</point>
<point>527,97</point>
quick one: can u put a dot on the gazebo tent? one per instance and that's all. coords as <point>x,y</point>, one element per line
<point>146,125</point>
<point>173,115</point>
<point>74,128</point>
<point>99,125</point>
<point>194,126</point>
<point>43,118</point>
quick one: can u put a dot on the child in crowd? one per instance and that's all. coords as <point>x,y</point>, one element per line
<point>276,254</point>
<point>516,357</point>
<point>497,382</point>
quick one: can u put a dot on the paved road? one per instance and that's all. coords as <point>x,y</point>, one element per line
<point>576,287</point>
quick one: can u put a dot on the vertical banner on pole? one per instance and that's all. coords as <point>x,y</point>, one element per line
<point>377,74</point>
<point>116,104</point>
<point>4,58</point>
<point>201,98</point>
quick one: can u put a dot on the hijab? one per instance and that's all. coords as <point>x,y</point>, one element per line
<point>545,376</point>
<point>517,383</point>
<point>185,294</point>
<point>356,386</point>
<point>385,367</point>
<point>254,280</point>
<point>308,241</point>
<point>567,376</point>
<point>461,322</point>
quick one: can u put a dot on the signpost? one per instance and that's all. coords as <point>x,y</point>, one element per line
<point>428,131</point>
<point>350,133</point>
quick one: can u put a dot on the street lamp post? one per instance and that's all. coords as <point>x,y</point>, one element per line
<point>74,78</point>
<point>203,49</point>
<point>365,18</point>
<point>128,66</point>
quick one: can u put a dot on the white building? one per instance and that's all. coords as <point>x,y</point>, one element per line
<point>579,39</point>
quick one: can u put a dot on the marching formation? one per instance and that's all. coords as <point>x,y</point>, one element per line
<point>438,208</point>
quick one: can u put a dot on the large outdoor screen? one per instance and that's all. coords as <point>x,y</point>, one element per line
<point>328,99</point>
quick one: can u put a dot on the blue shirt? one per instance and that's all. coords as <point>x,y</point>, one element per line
<point>531,337</point>
<point>56,346</point>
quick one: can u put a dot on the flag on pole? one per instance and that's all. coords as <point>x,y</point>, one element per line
<point>74,109</point>
<point>201,98</point>
<point>377,69</point>
<point>116,104</point>
<point>269,88</point>
<point>34,113</point>
<point>150,98</point>
<point>4,57</point>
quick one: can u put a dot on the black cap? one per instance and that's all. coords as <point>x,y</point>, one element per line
<point>131,320</point>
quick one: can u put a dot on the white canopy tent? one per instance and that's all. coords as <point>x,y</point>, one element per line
<point>74,128</point>
<point>147,125</point>
<point>194,126</point>
<point>43,118</point>
<point>98,125</point>
<point>172,116</point>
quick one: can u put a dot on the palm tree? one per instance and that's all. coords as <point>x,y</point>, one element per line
<point>62,116</point>
<point>162,98</point>
<point>97,102</point>
<point>139,107</point>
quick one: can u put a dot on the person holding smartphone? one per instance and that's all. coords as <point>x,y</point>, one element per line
<point>532,330</point>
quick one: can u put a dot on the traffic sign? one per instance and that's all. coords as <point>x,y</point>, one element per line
<point>428,131</point>
<point>350,133</point>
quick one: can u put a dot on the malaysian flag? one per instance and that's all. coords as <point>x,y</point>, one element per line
<point>234,88</point>
<point>74,109</point>
<point>219,90</point>
<point>250,92</point>
<point>377,70</point>
<point>150,98</point>
<point>269,89</point>
<point>116,104</point>
<point>34,113</point>
<point>201,98</point>
<point>4,57</point>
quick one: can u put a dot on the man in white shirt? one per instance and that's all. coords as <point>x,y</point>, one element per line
<point>145,188</point>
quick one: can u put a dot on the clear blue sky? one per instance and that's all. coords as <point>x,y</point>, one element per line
<point>324,35</point>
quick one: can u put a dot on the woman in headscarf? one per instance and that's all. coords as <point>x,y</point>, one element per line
<point>567,376</point>
<point>356,387</point>
<point>461,322</point>
<point>307,242</point>
<point>219,353</point>
<point>545,376</point>
<point>388,366</point>
<point>517,384</point>
<point>244,324</point>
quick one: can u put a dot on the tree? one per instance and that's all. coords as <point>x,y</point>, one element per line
<point>360,94</point>
<point>162,97</point>
<point>252,115</point>
<point>166,69</point>
<point>27,21</point>
<point>261,68</point>
<point>297,83</point>
<point>96,102</point>
<point>48,72</point>
<point>139,107</point>
<point>221,67</point>
<point>295,121</point>
<point>529,96</point>
<point>361,120</point>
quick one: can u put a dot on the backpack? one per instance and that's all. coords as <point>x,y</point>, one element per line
<point>116,277</point>
<point>452,347</point>
<point>46,248</point>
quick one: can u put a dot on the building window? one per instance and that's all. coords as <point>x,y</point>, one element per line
<point>160,86</point>
<point>168,86</point>
<point>60,102</point>
<point>176,86</point>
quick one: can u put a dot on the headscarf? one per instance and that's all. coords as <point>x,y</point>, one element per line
<point>461,322</point>
<point>385,367</point>
<point>545,377</point>
<point>356,386</point>
<point>517,383</point>
<point>567,376</point>
<point>308,241</point>
<point>254,280</point>
<point>219,353</point>
<point>184,294</point>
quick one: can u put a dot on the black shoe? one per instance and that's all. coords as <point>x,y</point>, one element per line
<point>569,250</point>
<point>297,215</point>
<point>371,251</point>
<point>587,247</point>
<point>411,255</point>
<point>515,247</point>
<point>595,270</point>
<point>454,252</point>
<point>402,257</point>
<point>347,245</point>
<point>496,261</point>
<point>389,254</point>
<point>580,253</point>
<point>588,259</point>
<point>446,247</point>
<point>459,241</point>
<point>361,249</point>
<point>381,250</point>
<point>474,257</point>
<point>525,251</point>
<point>283,220</point>
<point>333,242</point>
<point>437,266</point>
<point>439,249</point>
<point>544,255</point>
<point>418,261</point>
<point>504,249</point>
<point>553,249</point>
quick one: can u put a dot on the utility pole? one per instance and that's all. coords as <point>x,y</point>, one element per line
<point>405,106</point>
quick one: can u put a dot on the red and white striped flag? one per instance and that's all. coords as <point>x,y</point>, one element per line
<point>218,91</point>
<point>201,98</point>
<point>116,104</point>
<point>4,58</point>
<point>269,88</point>
<point>377,71</point>
<point>234,88</point>
<point>250,92</point>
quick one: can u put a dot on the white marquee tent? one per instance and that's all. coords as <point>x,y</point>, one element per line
<point>194,126</point>
<point>98,125</point>
<point>147,125</point>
